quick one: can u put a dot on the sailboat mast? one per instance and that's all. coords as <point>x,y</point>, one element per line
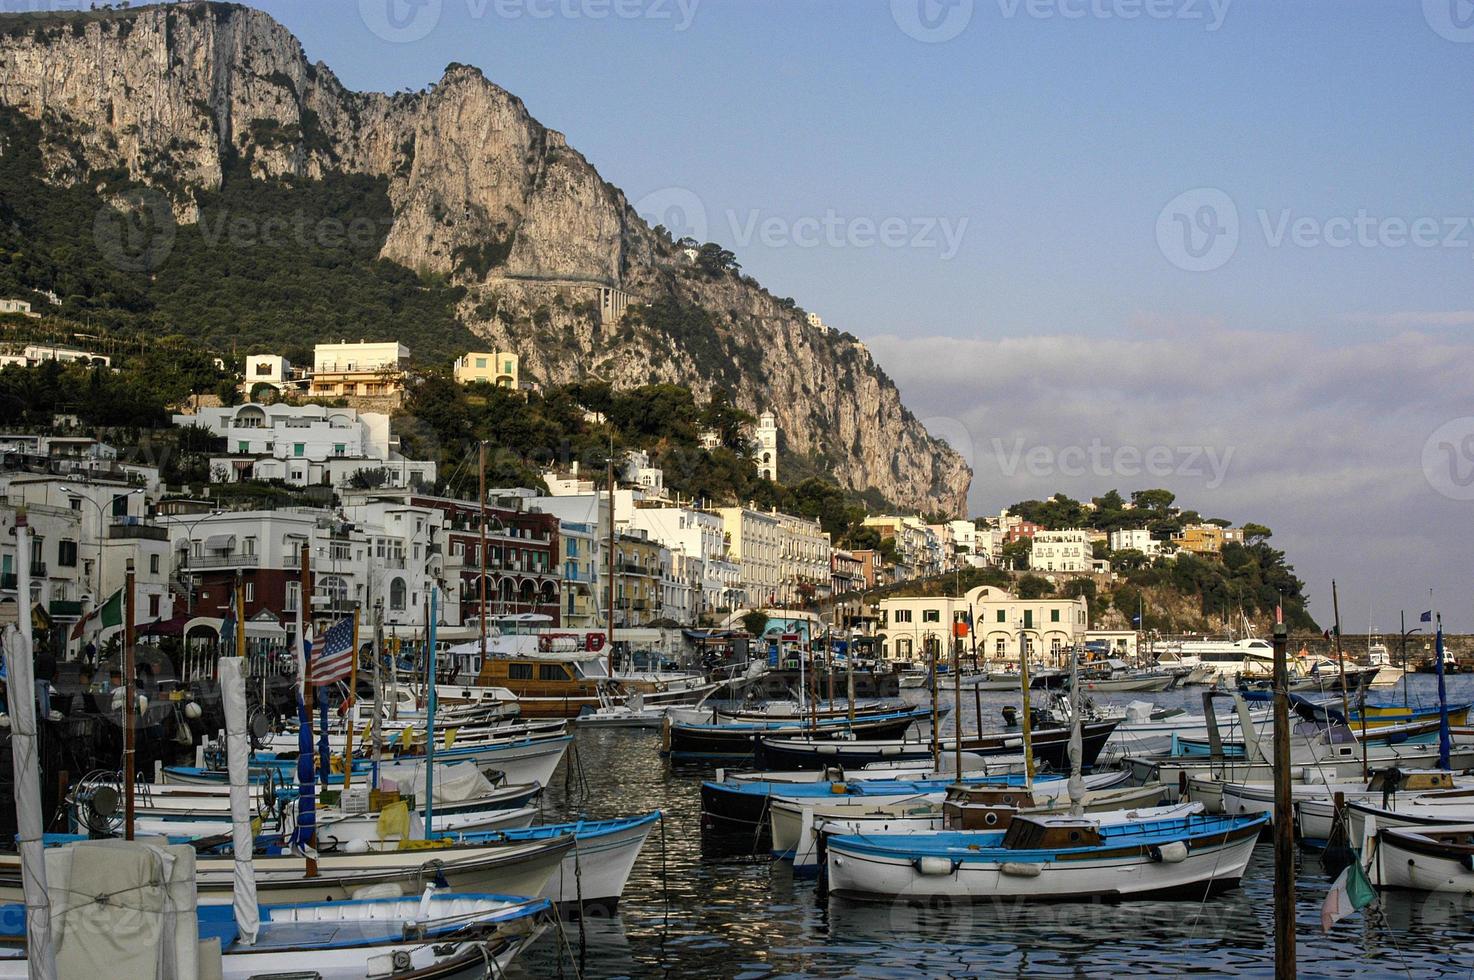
<point>610,639</point>
<point>481,497</point>
<point>430,721</point>
<point>130,705</point>
<point>1284,841</point>
<point>1340,657</point>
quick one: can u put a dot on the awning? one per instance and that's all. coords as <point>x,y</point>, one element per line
<point>220,542</point>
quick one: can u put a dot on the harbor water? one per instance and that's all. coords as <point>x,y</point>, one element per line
<point>697,907</point>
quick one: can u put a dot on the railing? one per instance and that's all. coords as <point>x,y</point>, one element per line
<point>38,569</point>
<point>148,532</point>
<point>7,580</point>
<point>232,560</point>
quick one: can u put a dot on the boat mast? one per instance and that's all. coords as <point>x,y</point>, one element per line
<point>1023,668</point>
<point>430,722</point>
<point>130,705</point>
<point>1284,840</point>
<point>481,460</point>
<point>1340,658</point>
<point>610,639</point>
<point>1076,750</point>
<point>957,699</point>
<point>352,697</point>
<point>378,734</point>
<point>936,745</point>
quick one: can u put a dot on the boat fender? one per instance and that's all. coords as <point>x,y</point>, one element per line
<point>1173,852</point>
<point>1021,869</point>
<point>386,890</point>
<point>838,788</point>
<point>934,866</point>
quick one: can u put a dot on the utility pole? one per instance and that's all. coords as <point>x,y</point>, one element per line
<point>481,456</point>
<point>130,702</point>
<point>1284,839</point>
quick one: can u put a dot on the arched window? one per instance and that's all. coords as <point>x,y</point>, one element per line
<point>397,595</point>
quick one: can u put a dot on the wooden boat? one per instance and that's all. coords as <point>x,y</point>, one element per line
<point>742,806</point>
<point>1048,858</point>
<point>1434,859</point>
<point>798,823</point>
<point>1050,747</point>
<point>738,741</point>
<point>520,868</point>
<point>593,874</point>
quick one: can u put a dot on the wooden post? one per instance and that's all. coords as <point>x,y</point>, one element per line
<point>610,640</point>
<point>130,699</point>
<point>1028,722</point>
<point>1340,658</point>
<point>936,737</point>
<point>304,598</point>
<point>1284,839</point>
<point>849,664</point>
<point>957,698</point>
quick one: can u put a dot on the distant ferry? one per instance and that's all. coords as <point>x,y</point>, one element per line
<point>1226,657</point>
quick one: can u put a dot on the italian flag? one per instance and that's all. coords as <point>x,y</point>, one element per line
<point>110,613</point>
<point>1350,893</point>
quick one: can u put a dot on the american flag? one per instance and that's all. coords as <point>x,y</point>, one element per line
<point>332,653</point>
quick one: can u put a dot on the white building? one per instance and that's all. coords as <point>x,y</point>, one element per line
<point>1135,540</point>
<point>305,445</point>
<point>346,358</point>
<point>1060,551</point>
<point>1003,626</point>
<point>805,555</point>
<point>766,437</point>
<point>696,540</point>
<point>20,306</point>
<point>649,479</point>
<point>267,369</point>
<point>755,543</point>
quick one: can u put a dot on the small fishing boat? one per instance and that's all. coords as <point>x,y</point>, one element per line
<point>1048,857</point>
<point>1050,747</point>
<point>737,806</point>
<point>738,741</point>
<point>797,824</point>
<point>594,872</point>
<point>1433,859</point>
<point>1313,801</point>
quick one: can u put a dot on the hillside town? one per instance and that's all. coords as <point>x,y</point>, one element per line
<point>381,536</point>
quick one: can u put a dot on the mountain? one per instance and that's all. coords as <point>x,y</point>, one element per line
<point>164,112</point>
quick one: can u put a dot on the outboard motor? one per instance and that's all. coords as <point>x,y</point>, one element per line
<point>1010,716</point>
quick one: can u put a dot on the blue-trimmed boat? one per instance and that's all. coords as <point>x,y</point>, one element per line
<point>737,742</point>
<point>1049,859</point>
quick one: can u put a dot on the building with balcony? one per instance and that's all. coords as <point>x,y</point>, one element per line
<point>697,543</point>
<point>1138,539</point>
<point>308,445</point>
<point>804,550</point>
<point>1061,551</point>
<point>755,542</point>
<point>1003,625</point>
<point>363,370</point>
<point>579,559</point>
<point>641,567</point>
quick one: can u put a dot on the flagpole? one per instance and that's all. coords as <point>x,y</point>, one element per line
<point>305,807</point>
<point>378,647</point>
<point>130,705</point>
<point>348,718</point>
<point>1444,739</point>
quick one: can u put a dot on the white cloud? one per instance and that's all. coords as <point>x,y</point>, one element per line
<point>1324,442</point>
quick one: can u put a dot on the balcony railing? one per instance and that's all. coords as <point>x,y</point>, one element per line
<point>147,532</point>
<point>230,560</point>
<point>38,569</point>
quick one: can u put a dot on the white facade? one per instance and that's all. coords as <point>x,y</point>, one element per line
<point>345,357</point>
<point>805,555</point>
<point>1060,551</point>
<point>1135,540</point>
<point>1002,624</point>
<point>271,369</point>
<point>21,306</point>
<point>766,437</point>
<point>698,548</point>
<point>755,543</point>
<point>649,479</point>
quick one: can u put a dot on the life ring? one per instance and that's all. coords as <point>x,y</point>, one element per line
<point>594,642</point>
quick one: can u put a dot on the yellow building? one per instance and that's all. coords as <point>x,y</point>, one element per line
<point>638,573</point>
<point>361,369</point>
<point>1200,539</point>
<point>494,367</point>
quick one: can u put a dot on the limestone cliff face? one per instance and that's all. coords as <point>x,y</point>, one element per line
<point>481,192</point>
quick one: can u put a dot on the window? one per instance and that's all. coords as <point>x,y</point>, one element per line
<point>998,646</point>
<point>903,615</point>
<point>481,362</point>
<point>293,590</point>
<point>153,564</point>
<point>120,505</point>
<point>931,615</point>
<point>1054,615</point>
<point>298,449</point>
<point>519,672</point>
<point>76,503</point>
<point>551,672</point>
<point>66,553</point>
<point>250,591</point>
<point>153,607</point>
<point>396,594</point>
<point>1028,619</point>
<point>1002,616</point>
<point>340,448</point>
<point>242,446</point>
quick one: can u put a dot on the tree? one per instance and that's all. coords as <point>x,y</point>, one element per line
<point>1032,587</point>
<point>1159,501</point>
<point>1015,554</point>
<point>1128,560</point>
<point>1077,587</point>
<point>755,621</point>
<point>714,260</point>
<point>1256,533</point>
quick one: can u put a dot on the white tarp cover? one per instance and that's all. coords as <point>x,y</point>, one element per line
<point>42,963</point>
<point>237,749</point>
<point>124,909</point>
<point>459,783</point>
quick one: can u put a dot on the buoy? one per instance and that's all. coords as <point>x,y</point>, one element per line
<point>934,866</point>
<point>1173,852</point>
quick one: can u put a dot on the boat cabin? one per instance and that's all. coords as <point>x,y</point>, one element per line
<point>1050,833</point>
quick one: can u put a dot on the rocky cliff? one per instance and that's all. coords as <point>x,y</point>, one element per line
<point>549,252</point>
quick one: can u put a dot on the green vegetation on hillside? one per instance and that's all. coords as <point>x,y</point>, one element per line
<point>269,265</point>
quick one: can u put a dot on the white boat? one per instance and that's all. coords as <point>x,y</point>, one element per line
<point>1429,810</point>
<point>1313,800</point>
<point>1226,658</point>
<point>1434,859</point>
<point>1388,674</point>
<point>798,824</point>
<point>1048,858</point>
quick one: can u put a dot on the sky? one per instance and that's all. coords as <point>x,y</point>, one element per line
<point>1219,246</point>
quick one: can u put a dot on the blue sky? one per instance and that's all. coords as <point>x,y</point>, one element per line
<point>1032,159</point>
